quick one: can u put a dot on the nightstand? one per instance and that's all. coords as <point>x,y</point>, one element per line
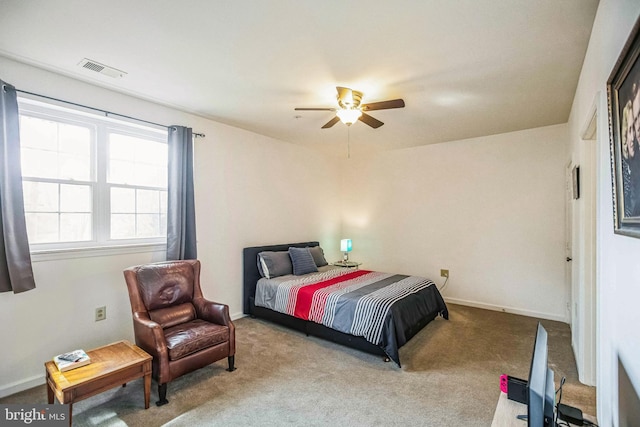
<point>347,264</point>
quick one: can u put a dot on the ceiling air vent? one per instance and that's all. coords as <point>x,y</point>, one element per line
<point>92,65</point>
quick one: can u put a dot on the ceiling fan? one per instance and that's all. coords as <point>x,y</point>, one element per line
<point>351,110</point>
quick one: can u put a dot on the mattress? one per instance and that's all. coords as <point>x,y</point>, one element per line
<point>380,307</point>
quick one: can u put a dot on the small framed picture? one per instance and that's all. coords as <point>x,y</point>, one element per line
<point>575,173</point>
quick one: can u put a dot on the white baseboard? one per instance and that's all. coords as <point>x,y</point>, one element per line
<point>512,310</point>
<point>18,386</point>
<point>238,316</point>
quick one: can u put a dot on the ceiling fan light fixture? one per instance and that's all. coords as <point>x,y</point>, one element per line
<point>351,109</point>
<point>349,116</point>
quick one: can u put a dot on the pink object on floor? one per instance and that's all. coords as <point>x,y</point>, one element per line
<point>503,383</point>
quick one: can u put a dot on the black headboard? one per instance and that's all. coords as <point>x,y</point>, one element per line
<point>250,267</point>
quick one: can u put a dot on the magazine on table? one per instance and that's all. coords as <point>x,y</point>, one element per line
<point>71,360</point>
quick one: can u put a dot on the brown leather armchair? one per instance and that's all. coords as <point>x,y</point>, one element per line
<point>174,323</point>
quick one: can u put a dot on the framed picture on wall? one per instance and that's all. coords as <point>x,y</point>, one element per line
<point>623,94</point>
<point>575,175</point>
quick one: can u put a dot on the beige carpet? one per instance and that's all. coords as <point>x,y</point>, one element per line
<point>450,377</point>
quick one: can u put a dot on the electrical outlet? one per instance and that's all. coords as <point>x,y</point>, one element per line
<point>444,273</point>
<point>101,313</point>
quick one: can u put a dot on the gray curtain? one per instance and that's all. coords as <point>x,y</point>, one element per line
<point>181,215</point>
<point>16,273</point>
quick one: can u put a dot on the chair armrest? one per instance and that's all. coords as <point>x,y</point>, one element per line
<point>149,335</point>
<point>213,312</point>
<point>217,313</point>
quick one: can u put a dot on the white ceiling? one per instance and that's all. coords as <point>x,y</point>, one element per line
<point>465,68</point>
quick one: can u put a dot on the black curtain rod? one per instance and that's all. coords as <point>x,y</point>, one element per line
<point>106,113</point>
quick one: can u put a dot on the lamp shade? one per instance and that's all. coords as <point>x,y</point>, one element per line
<point>345,245</point>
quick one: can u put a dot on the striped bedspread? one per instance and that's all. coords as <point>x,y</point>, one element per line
<point>374,305</point>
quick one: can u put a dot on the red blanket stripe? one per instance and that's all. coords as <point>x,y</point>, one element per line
<point>305,293</point>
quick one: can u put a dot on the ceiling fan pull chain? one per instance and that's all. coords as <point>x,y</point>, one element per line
<point>348,142</point>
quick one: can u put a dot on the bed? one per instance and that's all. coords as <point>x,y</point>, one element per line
<point>367,310</point>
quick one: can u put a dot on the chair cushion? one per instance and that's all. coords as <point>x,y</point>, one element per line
<point>165,284</point>
<point>172,316</point>
<point>187,338</point>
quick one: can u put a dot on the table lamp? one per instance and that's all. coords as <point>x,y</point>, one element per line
<point>345,246</point>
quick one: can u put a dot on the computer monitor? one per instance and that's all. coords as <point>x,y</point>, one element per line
<point>540,387</point>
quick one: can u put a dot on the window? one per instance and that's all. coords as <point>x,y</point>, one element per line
<point>91,181</point>
<point>137,175</point>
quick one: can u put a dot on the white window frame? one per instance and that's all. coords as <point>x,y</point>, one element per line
<point>101,243</point>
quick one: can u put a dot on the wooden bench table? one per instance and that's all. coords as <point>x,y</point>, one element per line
<point>111,365</point>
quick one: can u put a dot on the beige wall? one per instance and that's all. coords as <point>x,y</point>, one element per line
<point>252,190</point>
<point>491,210</point>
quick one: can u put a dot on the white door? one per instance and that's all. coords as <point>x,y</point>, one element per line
<point>568,252</point>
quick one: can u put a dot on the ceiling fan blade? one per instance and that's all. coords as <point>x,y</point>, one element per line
<point>367,119</point>
<point>331,122</point>
<point>314,109</point>
<point>383,105</point>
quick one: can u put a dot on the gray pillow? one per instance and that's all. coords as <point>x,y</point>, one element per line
<point>274,264</point>
<point>302,261</point>
<point>318,256</point>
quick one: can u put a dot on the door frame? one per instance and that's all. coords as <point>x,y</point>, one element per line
<point>584,289</point>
